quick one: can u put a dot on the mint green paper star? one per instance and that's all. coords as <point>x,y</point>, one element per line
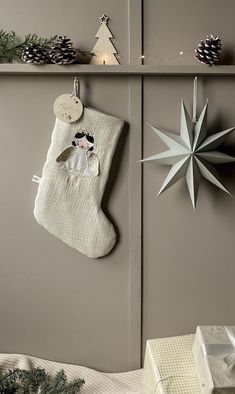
<point>192,154</point>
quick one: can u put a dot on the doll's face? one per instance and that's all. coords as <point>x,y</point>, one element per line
<point>84,142</point>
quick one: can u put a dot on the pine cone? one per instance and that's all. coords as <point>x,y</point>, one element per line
<point>208,52</point>
<point>35,54</point>
<point>62,52</point>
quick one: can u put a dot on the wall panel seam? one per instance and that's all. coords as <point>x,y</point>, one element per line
<point>135,186</point>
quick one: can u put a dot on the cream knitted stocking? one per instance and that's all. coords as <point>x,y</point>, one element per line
<point>68,203</point>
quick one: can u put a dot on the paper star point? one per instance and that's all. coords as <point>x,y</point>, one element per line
<point>192,154</point>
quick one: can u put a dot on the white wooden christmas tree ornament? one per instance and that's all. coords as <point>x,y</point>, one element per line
<point>104,51</point>
<point>192,154</point>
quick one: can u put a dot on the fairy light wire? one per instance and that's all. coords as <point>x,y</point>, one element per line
<point>157,58</point>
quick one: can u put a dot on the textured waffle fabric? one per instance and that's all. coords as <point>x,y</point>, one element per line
<point>169,366</point>
<point>68,203</point>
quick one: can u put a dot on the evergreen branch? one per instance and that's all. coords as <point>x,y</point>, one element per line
<point>7,39</point>
<point>35,39</point>
<point>35,381</point>
<point>11,49</point>
<point>9,378</point>
<point>32,379</point>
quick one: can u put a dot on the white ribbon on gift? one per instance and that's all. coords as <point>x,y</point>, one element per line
<point>170,379</point>
<point>227,351</point>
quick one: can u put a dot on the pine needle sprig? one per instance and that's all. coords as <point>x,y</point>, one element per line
<point>7,38</point>
<point>60,385</point>
<point>11,49</point>
<point>7,42</point>
<point>37,381</point>
<point>31,380</point>
<point>8,381</point>
<point>35,39</point>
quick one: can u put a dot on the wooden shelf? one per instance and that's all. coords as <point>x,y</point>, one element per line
<point>87,69</point>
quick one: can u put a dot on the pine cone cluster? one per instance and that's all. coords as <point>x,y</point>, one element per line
<point>62,52</point>
<point>208,51</point>
<point>35,54</point>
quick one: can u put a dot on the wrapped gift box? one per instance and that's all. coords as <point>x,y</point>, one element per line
<point>214,353</point>
<point>169,366</point>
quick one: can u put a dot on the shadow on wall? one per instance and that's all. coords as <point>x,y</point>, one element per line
<point>226,171</point>
<point>227,56</point>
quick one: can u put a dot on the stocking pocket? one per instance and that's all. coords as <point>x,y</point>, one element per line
<point>79,158</point>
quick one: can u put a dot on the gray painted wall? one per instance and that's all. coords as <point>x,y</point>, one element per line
<point>188,259</point>
<point>56,303</point>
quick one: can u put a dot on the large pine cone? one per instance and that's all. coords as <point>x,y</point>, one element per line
<point>35,54</point>
<point>208,51</point>
<point>62,52</point>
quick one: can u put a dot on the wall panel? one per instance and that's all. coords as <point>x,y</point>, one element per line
<point>188,257</point>
<point>54,302</point>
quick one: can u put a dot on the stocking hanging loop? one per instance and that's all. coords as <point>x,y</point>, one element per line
<point>76,87</point>
<point>195,100</point>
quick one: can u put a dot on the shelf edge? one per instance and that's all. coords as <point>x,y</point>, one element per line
<point>84,69</point>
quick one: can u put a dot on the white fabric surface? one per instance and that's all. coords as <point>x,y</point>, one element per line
<point>68,205</point>
<point>96,382</point>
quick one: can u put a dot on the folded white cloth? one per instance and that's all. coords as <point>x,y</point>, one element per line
<point>95,382</point>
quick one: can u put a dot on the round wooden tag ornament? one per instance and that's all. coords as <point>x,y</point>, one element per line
<point>68,108</point>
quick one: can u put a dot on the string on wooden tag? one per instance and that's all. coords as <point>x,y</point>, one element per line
<point>68,107</point>
<point>76,87</point>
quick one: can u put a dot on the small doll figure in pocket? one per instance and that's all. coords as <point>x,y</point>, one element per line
<point>79,159</point>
